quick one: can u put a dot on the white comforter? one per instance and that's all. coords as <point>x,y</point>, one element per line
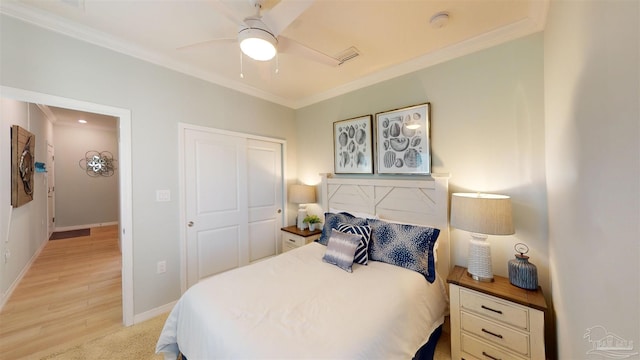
<point>296,306</point>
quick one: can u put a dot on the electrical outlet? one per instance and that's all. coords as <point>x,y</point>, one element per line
<point>161,267</point>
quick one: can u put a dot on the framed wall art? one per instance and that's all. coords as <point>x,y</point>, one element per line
<point>403,144</point>
<point>22,165</point>
<point>352,144</point>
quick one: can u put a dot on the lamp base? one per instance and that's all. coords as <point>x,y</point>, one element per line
<point>479,259</point>
<point>302,213</point>
<point>479,278</point>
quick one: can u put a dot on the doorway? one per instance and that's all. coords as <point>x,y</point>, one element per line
<point>51,186</point>
<point>124,177</point>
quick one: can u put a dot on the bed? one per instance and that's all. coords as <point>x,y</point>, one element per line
<point>312,303</point>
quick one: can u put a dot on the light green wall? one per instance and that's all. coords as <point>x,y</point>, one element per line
<point>487,131</point>
<point>46,62</point>
<point>592,97</point>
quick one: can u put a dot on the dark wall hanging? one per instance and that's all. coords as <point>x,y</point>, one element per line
<point>98,163</point>
<point>22,159</point>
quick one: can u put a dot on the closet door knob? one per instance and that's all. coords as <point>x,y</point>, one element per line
<point>190,224</point>
<point>279,211</point>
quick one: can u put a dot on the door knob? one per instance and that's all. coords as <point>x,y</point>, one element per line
<point>190,224</point>
<point>279,211</point>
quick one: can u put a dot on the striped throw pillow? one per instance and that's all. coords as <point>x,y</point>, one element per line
<point>340,249</point>
<point>362,252</point>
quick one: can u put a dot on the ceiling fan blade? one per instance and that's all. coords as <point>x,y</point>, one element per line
<point>205,42</point>
<point>283,14</point>
<point>290,46</point>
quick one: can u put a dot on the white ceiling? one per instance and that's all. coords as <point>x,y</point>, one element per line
<point>394,37</point>
<point>67,117</point>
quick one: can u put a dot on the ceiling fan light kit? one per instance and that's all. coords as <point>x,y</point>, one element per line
<point>259,34</point>
<point>257,43</point>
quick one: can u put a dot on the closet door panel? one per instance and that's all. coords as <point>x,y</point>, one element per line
<point>213,243</point>
<point>233,201</point>
<point>264,164</point>
<point>216,203</point>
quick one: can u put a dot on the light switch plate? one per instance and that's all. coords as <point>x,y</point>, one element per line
<point>163,195</point>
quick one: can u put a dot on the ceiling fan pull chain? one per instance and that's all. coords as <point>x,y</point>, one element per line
<point>241,72</point>
<point>277,64</point>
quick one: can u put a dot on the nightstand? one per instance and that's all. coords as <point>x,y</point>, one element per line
<point>292,237</point>
<point>495,320</point>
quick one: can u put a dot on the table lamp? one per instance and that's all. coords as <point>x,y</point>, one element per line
<point>482,215</point>
<point>302,195</point>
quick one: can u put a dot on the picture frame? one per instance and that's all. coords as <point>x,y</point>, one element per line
<point>352,145</point>
<point>22,165</point>
<point>403,140</point>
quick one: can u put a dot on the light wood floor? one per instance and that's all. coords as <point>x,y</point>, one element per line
<point>71,293</point>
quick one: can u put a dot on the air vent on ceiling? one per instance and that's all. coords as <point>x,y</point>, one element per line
<point>349,54</point>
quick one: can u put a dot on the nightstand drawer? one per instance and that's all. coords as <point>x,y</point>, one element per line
<point>481,350</point>
<point>497,334</point>
<point>294,241</point>
<point>493,308</point>
<point>286,247</point>
<point>293,237</point>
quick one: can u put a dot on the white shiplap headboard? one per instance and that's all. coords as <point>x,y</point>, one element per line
<point>423,201</point>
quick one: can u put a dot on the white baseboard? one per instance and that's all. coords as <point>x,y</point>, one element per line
<point>147,315</point>
<point>5,297</point>
<point>78,227</point>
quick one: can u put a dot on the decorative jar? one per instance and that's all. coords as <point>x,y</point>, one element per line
<point>522,273</point>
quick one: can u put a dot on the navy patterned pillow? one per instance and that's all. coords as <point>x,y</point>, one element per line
<point>362,252</point>
<point>341,248</point>
<point>408,246</point>
<point>331,221</point>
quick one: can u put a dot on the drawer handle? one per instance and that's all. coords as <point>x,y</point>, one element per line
<point>491,333</point>
<point>291,240</point>
<point>490,309</point>
<point>490,357</point>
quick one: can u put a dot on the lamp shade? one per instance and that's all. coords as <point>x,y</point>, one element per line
<point>488,214</point>
<point>302,194</point>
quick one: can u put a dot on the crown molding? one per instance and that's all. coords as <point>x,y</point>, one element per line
<point>59,25</point>
<point>533,23</point>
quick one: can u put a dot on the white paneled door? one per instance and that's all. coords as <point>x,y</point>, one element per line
<point>51,187</point>
<point>233,201</point>
<point>265,199</point>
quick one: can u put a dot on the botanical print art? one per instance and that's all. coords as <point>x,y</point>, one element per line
<point>402,141</point>
<point>352,146</point>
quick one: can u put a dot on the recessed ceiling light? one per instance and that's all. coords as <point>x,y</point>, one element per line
<point>81,121</point>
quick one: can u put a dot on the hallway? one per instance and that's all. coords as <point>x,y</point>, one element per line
<point>71,293</point>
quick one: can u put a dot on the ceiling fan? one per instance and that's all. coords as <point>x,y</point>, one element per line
<point>259,34</point>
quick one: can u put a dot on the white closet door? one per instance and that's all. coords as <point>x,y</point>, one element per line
<point>233,201</point>
<point>264,161</point>
<point>216,203</point>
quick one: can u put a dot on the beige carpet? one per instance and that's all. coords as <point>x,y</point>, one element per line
<point>139,341</point>
<point>135,342</point>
